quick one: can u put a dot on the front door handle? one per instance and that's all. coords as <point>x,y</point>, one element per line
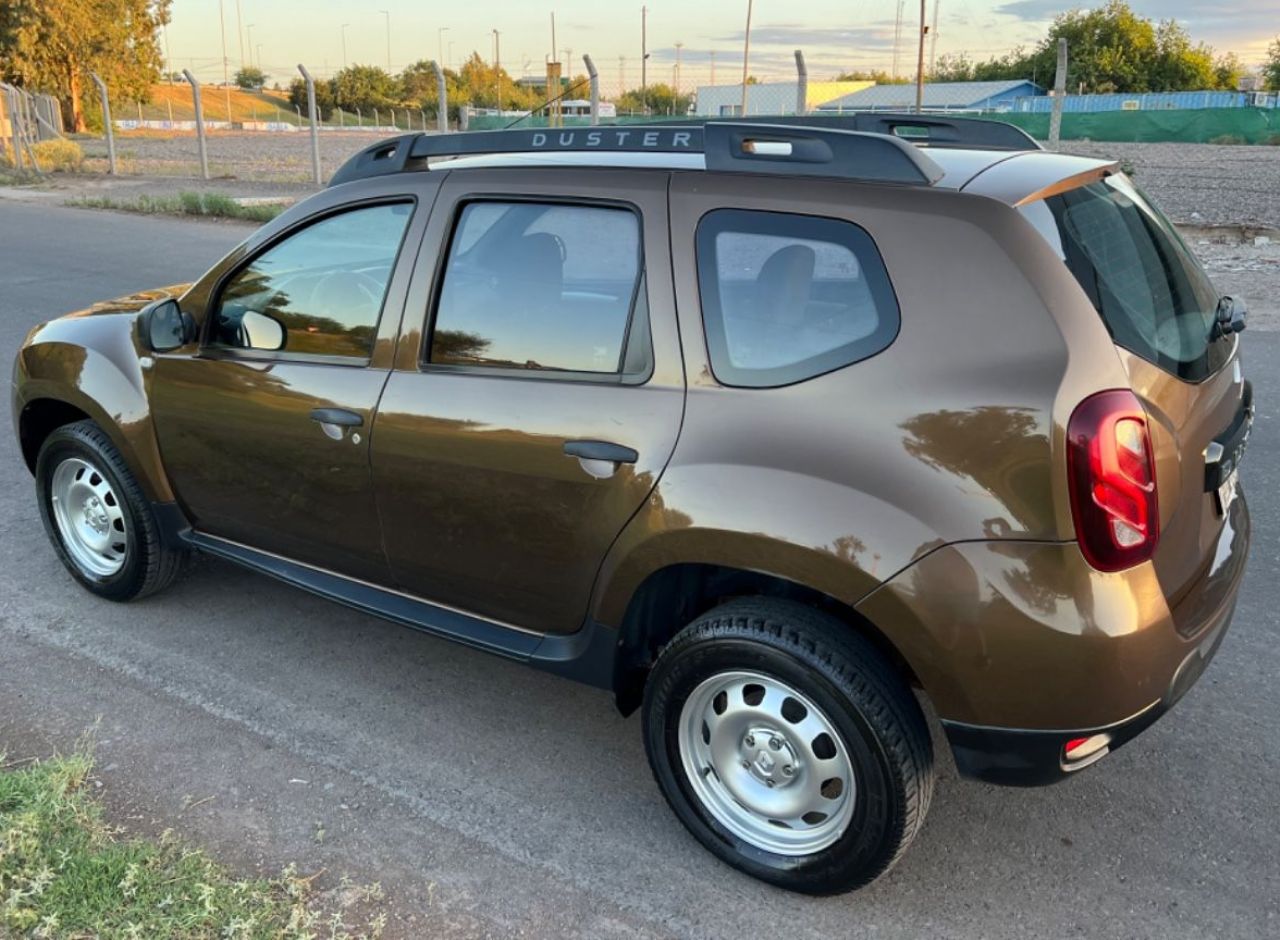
<point>333,421</point>
<point>600,450</point>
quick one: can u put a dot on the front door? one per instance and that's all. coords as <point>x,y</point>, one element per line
<point>514,442</point>
<point>265,431</point>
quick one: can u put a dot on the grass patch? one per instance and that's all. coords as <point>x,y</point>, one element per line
<point>64,872</point>
<point>212,205</point>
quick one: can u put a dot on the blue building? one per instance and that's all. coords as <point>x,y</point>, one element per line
<point>938,96</point>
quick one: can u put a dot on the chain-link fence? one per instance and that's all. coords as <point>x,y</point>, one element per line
<point>188,129</point>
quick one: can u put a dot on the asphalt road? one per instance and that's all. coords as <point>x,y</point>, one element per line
<point>489,799</point>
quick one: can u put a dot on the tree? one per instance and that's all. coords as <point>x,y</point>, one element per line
<point>878,76</point>
<point>52,45</point>
<point>1228,70</point>
<point>1111,49</point>
<point>324,98</point>
<point>250,77</point>
<point>1271,71</point>
<point>364,87</point>
<point>656,99</point>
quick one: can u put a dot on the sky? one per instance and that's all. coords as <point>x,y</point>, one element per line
<point>835,36</point>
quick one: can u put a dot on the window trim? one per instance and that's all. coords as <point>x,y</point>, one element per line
<point>752,221</point>
<point>639,291</point>
<point>207,350</point>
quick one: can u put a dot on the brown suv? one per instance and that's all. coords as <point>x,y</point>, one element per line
<point>762,427</point>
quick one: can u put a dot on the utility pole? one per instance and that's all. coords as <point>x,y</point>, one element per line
<point>248,32</point>
<point>440,43</point>
<point>679,46</point>
<point>746,56</point>
<point>713,66</point>
<point>226,81</point>
<point>387,14</point>
<point>344,44</point>
<point>924,29</point>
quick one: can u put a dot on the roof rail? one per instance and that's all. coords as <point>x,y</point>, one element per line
<point>735,147</point>
<point>930,130</point>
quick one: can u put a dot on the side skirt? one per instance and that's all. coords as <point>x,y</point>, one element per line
<point>585,656</point>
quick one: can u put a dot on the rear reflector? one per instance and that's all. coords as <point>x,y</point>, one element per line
<point>1112,480</point>
<point>1079,749</point>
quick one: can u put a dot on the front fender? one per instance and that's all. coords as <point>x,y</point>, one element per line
<point>94,364</point>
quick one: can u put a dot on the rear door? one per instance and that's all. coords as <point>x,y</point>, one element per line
<point>1160,308</point>
<point>537,393</point>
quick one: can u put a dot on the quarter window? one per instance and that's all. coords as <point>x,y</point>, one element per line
<point>319,291</point>
<point>787,297</point>
<point>539,287</point>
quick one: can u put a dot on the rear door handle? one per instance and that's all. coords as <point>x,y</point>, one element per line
<point>600,450</point>
<point>339,416</point>
<point>334,421</point>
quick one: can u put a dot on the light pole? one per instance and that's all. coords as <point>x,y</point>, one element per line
<point>259,49</point>
<point>387,14</point>
<point>344,44</point>
<point>226,81</point>
<point>746,55</point>
<point>644,58</point>
<point>924,28</point>
<point>497,66</point>
<point>440,42</point>
<point>249,34</point>
<point>679,46</point>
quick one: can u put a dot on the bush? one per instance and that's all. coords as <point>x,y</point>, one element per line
<point>59,155</point>
<point>1228,139</point>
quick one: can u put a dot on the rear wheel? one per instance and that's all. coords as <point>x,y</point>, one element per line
<point>788,745</point>
<point>94,513</point>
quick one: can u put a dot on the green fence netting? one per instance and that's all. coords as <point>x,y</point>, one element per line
<point>1192,126</point>
<point>1200,125</point>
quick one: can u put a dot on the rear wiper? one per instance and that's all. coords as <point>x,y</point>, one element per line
<point>1229,317</point>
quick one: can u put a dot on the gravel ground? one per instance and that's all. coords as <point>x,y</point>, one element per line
<point>1206,184</point>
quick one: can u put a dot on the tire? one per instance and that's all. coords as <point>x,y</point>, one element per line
<point>856,829</point>
<point>102,527</point>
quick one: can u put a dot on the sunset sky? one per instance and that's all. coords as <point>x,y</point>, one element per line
<point>834,35</point>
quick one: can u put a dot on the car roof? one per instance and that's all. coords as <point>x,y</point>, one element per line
<point>1013,176</point>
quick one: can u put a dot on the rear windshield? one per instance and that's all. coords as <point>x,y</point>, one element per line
<point>1148,287</point>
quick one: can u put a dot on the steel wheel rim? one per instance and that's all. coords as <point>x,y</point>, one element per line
<point>89,517</point>
<point>766,763</point>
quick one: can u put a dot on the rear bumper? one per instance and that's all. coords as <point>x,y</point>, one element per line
<point>1021,758</point>
<point>1022,646</point>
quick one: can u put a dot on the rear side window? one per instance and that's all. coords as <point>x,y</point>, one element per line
<point>1145,283</point>
<point>539,287</point>
<point>787,297</point>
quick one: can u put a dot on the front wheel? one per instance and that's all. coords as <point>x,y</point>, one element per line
<point>788,745</point>
<point>100,523</point>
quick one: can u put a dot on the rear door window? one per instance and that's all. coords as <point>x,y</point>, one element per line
<point>1145,283</point>
<point>788,297</point>
<point>541,288</point>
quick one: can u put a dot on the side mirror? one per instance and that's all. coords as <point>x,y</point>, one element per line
<point>1231,315</point>
<point>167,328</point>
<point>260,331</point>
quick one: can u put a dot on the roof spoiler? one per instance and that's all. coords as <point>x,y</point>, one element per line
<point>736,147</point>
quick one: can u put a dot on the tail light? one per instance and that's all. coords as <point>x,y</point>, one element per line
<point>1112,480</point>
